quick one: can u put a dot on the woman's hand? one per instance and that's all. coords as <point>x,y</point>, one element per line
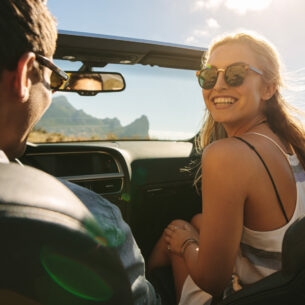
<point>176,233</point>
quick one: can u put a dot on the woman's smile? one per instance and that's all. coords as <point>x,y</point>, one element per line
<point>223,100</point>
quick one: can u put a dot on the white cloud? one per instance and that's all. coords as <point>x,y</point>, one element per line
<point>243,6</point>
<point>206,4</point>
<point>238,6</point>
<point>211,26</point>
<point>201,33</point>
<point>191,40</point>
<point>212,23</point>
<point>198,35</point>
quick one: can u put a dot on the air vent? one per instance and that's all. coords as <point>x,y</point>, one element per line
<point>105,186</point>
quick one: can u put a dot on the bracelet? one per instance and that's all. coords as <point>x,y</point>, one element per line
<point>186,243</point>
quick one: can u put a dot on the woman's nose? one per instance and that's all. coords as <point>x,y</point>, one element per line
<point>220,82</point>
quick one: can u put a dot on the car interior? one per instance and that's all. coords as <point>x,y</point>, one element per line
<point>51,252</point>
<point>145,178</point>
<point>151,180</point>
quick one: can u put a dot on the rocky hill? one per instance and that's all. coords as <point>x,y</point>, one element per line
<point>64,119</point>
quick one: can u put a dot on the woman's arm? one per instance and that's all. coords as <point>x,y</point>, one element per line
<point>225,183</point>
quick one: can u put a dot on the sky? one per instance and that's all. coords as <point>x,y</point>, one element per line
<point>195,23</point>
<point>191,22</point>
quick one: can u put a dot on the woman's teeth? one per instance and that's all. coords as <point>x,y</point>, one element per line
<point>223,100</point>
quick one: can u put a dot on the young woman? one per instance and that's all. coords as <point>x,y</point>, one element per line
<point>253,179</point>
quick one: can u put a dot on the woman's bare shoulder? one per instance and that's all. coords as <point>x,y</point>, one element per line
<point>228,147</point>
<point>229,156</point>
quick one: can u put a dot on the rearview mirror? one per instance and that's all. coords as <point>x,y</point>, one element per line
<point>92,83</point>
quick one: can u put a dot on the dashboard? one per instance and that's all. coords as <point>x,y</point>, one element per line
<point>145,179</point>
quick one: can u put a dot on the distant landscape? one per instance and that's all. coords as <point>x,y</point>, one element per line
<point>63,122</point>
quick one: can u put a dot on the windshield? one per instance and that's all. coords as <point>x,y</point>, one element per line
<point>157,104</point>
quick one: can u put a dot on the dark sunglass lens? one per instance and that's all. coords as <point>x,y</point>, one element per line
<point>207,78</point>
<point>235,74</point>
<point>57,77</point>
<point>56,81</point>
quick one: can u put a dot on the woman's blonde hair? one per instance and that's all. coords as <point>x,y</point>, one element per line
<point>277,111</point>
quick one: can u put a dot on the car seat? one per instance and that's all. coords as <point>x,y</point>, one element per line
<point>52,250</point>
<point>286,286</point>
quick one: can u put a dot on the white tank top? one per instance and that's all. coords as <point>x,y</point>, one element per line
<point>260,252</point>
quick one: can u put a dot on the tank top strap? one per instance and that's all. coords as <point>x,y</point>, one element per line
<point>271,140</point>
<point>269,174</point>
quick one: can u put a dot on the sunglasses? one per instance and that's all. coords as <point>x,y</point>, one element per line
<point>58,76</point>
<point>234,75</point>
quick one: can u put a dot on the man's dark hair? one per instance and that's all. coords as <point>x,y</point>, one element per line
<point>25,25</point>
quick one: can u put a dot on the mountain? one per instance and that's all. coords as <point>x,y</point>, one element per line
<point>64,119</point>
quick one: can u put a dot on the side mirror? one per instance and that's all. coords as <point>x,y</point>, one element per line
<point>92,83</point>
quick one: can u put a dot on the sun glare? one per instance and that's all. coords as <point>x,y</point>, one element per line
<point>243,6</point>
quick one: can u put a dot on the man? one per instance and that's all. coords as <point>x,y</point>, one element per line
<point>85,81</point>
<point>28,40</point>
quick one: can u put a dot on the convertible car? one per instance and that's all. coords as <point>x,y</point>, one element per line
<point>141,166</point>
<point>125,126</point>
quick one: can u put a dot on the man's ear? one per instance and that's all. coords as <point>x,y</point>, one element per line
<point>22,82</point>
<point>269,90</point>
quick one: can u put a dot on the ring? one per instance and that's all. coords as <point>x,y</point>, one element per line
<point>168,247</point>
